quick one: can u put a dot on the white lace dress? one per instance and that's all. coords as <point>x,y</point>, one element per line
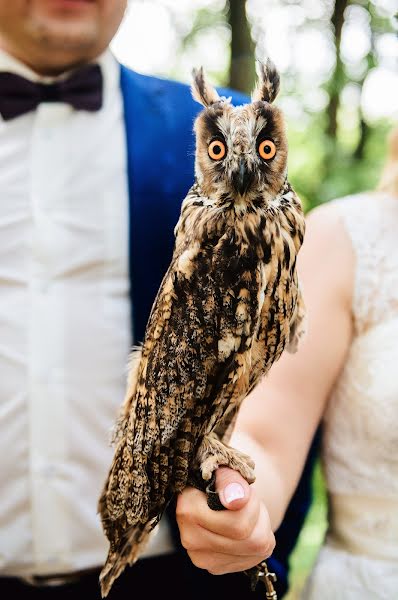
<point>359,559</point>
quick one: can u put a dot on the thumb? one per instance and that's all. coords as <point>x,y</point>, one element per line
<point>233,490</point>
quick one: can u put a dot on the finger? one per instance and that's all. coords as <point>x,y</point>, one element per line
<point>193,511</point>
<point>233,490</point>
<point>259,542</point>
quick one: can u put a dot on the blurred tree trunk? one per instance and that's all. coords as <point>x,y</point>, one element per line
<point>364,131</point>
<point>371,60</point>
<point>337,79</point>
<point>242,69</point>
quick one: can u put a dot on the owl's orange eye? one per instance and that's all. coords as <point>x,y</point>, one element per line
<point>267,149</point>
<point>217,150</point>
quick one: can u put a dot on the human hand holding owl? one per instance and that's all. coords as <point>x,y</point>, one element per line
<point>225,541</point>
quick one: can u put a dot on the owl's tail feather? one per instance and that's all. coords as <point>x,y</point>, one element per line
<point>126,553</point>
<point>126,489</point>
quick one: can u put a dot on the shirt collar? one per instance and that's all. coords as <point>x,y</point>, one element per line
<point>107,62</point>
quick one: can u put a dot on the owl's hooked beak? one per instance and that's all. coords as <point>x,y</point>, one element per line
<point>242,178</point>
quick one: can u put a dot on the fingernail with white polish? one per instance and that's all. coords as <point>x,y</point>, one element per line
<point>233,491</point>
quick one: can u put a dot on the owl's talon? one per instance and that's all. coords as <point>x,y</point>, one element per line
<point>208,467</point>
<point>213,454</point>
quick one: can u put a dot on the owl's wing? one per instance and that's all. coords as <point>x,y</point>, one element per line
<point>298,322</point>
<point>193,362</point>
<point>282,319</point>
<point>293,229</point>
<point>192,365</point>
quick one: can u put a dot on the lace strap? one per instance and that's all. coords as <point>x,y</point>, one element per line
<point>361,217</point>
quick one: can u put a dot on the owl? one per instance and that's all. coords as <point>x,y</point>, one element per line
<point>227,307</point>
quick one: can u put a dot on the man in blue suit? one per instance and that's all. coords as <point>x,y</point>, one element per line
<point>94,163</point>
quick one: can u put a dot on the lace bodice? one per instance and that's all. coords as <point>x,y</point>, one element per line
<point>360,440</point>
<point>360,429</point>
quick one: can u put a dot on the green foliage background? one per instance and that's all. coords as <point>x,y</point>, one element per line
<point>320,170</point>
<point>335,149</point>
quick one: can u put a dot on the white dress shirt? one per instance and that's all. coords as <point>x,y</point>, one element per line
<point>65,329</point>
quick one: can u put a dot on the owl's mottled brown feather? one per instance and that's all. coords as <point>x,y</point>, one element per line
<point>227,307</point>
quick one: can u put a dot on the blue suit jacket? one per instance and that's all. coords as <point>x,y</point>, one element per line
<point>159,117</point>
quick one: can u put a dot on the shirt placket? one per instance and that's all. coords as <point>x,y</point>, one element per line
<point>47,394</point>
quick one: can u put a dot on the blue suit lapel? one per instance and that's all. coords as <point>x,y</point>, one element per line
<point>144,120</point>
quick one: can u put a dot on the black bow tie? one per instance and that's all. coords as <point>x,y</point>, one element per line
<point>82,90</point>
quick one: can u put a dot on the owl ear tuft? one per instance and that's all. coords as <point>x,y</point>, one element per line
<point>267,87</point>
<point>202,91</point>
